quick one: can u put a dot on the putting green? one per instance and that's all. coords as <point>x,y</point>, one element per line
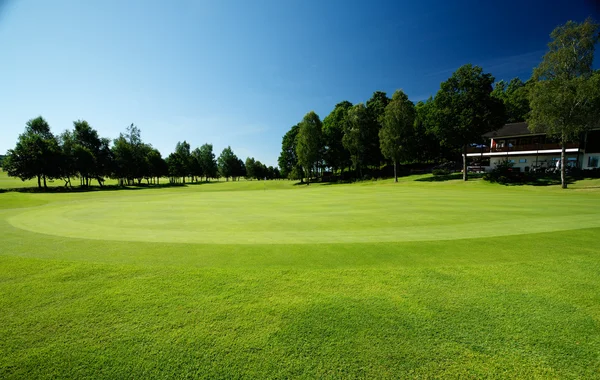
<point>343,214</point>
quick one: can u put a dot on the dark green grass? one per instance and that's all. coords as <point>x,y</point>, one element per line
<point>513,306</point>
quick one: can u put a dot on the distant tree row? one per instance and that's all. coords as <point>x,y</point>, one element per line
<point>562,99</point>
<point>82,154</point>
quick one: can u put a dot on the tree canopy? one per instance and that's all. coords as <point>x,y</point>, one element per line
<point>565,99</point>
<point>465,109</point>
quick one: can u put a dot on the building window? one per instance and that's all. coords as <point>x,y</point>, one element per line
<point>593,161</point>
<point>511,161</point>
<point>522,160</point>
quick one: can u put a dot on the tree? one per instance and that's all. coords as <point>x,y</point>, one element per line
<point>182,149</point>
<point>37,154</point>
<point>228,164</point>
<point>250,166</point>
<point>465,109</point>
<point>288,159</point>
<point>396,136</point>
<point>335,155</point>
<point>356,135</point>
<point>157,166</point>
<point>207,161</point>
<point>565,100</point>
<point>375,107</point>
<point>309,142</point>
<point>427,145</point>
<point>515,96</point>
<point>196,164</point>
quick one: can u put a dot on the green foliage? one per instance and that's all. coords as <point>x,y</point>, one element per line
<point>335,155</point>
<point>565,100</point>
<point>37,154</point>
<point>229,164</point>
<point>309,142</point>
<point>465,109</point>
<point>515,96</point>
<point>208,162</point>
<point>357,135</point>
<point>375,107</point>
<point>288,159</point>
<point>397,135</point>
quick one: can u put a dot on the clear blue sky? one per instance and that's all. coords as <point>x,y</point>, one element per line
<point>241,73</point>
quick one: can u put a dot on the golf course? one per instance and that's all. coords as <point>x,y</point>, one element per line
<point>271,279</point>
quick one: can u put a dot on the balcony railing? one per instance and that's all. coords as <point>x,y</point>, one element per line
<point>518,148</point>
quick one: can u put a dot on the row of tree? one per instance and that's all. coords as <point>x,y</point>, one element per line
<point>562,99</point>
<point>81,153</point>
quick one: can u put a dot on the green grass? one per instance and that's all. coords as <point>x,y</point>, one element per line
<point>272,280</point>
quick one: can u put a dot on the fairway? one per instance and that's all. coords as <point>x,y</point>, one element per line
<point>273,280</point>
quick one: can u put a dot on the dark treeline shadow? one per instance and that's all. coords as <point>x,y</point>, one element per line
<point>86,189</point>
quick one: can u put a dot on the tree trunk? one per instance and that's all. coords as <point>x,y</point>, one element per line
<point>563,167</point>
<point>45,186</point>
<point>395,173</point>
<point>39,182</point>
<point>465,176</point>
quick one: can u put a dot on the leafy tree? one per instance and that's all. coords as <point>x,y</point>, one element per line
<point>357,135</point>
<point>515,96</point>
<point>288,159</point>
<point>177,167</point>
<point>396,136</point>
<point>335,155</point>
<point>37,154</point>
<point>375,107</point>
<point>129,156</point>
<point>157,166</point>
<point>196,163</point>
<point>207,160</point>
<point>250,166</point>
<point>228,164</point>
<point>309,142</point>
<point>182,149</point>
<point>465,109</point>
<point>565,100</point>
<point>427,145</point>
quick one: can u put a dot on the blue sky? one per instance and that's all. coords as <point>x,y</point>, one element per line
<point>241,73</point>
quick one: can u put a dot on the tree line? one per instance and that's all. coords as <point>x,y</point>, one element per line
<point>561,99</point>
<point>82,154</point>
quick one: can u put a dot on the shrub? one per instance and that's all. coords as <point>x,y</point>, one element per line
<point>439,172</point>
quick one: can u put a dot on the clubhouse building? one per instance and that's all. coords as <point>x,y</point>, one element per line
<point>530,151</point>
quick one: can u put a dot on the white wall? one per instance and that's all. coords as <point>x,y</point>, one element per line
<point>586,160</point>
<point>530,160</point>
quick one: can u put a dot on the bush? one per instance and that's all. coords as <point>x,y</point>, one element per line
<point>503,173</point>
<point>440,172</point>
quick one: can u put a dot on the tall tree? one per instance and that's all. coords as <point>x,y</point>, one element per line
<point>357,135</point>
<point>182,149</point>
<point>565,100</point>
<point>309,142</point>
<point>397,134</point>
<point>250,166</point>
<point>208,161</point>
<point>515,96</point>
<point>375,107</point>
<point>426,143</point>
<point>37,154</point>
<point>465,109</point>
<point>335,155</point>
<point>288,159</point>
<point>228,164</point>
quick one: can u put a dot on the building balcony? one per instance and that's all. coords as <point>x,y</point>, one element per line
<point>522,148</point>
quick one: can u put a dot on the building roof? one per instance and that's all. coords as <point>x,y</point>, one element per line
<point>512,129</point>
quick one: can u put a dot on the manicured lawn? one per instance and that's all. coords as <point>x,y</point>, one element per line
<point>272,280</point>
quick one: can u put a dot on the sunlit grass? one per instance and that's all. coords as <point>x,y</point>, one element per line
<point>242,296</point>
